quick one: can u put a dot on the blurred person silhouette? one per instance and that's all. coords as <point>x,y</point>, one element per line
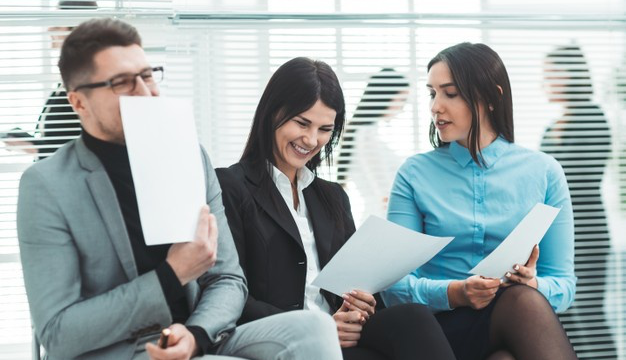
<point>365,162</point>
<point>58,123</point>
<point>619,79</point>
<point>580,140</point>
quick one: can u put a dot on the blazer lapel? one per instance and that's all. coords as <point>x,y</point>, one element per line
<point>275,207</point>
<point>323,224</point>
<point>104,196</point>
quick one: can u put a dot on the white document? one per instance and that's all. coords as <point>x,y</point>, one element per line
<point>377,255</point>
<point>166,165</point>
<point>517,247</point>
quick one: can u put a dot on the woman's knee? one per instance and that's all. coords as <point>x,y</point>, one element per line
<point>521,297</point>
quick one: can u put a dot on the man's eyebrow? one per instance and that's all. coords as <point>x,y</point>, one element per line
<point>131,73</point>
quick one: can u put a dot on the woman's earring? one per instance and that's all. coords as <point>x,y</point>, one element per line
<point>490,107</point>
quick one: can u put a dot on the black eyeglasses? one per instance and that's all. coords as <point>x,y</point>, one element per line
<point>125,83</point>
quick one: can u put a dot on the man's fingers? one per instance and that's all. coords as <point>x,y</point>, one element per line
<point>347,344</point>
<point>202,229</point>
<point>213,230</point>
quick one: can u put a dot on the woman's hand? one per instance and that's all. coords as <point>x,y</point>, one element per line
<point>525,274</point>
<point>475,292</point>
<point>360,301</point>
<point>349,326</point>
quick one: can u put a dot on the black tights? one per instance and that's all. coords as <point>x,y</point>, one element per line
<point>401,332</point>
<point>524,327</point>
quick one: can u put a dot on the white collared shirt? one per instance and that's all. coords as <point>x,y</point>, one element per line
<point>313,299</point>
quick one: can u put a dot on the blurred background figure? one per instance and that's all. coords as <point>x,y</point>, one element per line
<point>366,164</point>
<point>58,123</point>
<point>580,140</point>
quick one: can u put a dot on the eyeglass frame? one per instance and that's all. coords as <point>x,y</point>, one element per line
<point>109,83</point>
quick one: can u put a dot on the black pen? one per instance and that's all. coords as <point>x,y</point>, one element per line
<point>165,334</point>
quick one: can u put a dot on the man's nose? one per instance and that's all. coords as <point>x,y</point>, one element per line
<point>141,88</point>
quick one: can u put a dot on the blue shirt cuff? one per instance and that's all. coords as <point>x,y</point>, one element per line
<point>437,291</point>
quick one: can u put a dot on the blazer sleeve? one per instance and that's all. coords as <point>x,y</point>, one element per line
<point>223,287</point>
<point>51,261</point>
<point>236,200</point>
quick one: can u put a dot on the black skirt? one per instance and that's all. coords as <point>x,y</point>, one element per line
<point>467,329</point>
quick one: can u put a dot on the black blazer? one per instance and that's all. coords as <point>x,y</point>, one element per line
<point>267,238</point>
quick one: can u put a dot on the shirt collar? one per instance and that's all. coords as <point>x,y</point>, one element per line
<point>304,176</point>
<point>490,154</point>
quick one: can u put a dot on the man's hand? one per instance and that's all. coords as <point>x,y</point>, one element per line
<point>192,259</point>
<point>526,274</point>
<point>181,345</point>
<point>348,326</point>
<point>360,301</point>
<point>475,292</point>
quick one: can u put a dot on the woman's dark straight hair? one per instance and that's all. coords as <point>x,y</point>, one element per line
<point>480,78</point>
<point>293,89</point>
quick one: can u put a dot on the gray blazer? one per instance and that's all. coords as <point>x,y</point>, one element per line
<point>85,296</point>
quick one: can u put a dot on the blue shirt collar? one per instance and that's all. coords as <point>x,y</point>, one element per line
<point>490,154</point>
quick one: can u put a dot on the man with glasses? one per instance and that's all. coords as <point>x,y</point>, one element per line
<point>95,290</point>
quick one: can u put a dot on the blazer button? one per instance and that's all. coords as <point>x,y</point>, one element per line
<point>296,306</point>
<point>301,262</point>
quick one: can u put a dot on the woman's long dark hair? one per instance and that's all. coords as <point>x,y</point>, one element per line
<point>293,89</point>
<point>477,71</point>
<point>381,90</point>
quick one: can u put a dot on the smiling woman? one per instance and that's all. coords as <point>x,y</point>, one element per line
<point>302,137</point>
<point>287,223</point>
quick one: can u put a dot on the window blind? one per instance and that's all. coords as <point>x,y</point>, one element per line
<point>223,60</point>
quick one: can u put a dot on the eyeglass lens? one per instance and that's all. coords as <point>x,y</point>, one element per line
<point>126,83</point>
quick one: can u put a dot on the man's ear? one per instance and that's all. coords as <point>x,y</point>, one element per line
<point>78,102</point>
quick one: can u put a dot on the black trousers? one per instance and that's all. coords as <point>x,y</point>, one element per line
<point>407,331</point>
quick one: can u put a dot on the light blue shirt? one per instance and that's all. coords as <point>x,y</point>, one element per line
<point>445,193</point>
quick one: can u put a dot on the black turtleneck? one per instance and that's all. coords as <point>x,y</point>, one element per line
<point>114,157</point>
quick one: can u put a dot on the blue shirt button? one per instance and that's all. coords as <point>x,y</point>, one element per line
<point>480,200</point>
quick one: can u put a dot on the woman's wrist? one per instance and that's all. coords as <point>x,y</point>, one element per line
<point>456,297</point>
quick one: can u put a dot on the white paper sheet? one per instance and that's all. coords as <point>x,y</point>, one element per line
<point>377,255</point>
<point>166,165</point>
<point>516,248</point>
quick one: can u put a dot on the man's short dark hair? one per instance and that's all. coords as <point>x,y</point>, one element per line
<point>85,41</point>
